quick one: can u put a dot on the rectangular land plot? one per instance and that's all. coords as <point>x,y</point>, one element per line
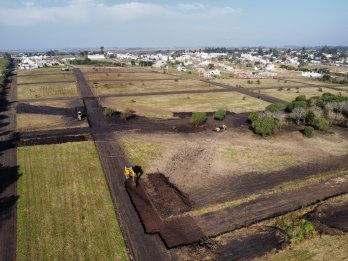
<point>48,115</point>
<point>47,90</point>
<point>290,95</point>
<point>68,76</point>
<point>162,106</point>
<point>263,83</point>
<point>87,69</point>
<point>126,76</point>
<point>64,207</point>
<point>101,88</point>
<point>44,70</point>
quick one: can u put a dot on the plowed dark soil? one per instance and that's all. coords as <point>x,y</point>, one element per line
<point>167,198</point>
<point>254,243</point>
<point>53,140</point>
<point>330,218</point>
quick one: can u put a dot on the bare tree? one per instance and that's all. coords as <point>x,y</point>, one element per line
<point>298,115</point>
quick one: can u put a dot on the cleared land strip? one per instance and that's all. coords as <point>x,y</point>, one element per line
<point>128,95</point>
<point>132,80</point>
<point>288,87</point>
<point>187,230</point>
<point>247,92</point>
<point>8,174</point>
<point>216,223</point>
<point>34,83</point>
<point>333,87</point>
<point>140,245</point>
<point>41,74</point>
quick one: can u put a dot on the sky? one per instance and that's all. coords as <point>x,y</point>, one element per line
<point>201,23</point>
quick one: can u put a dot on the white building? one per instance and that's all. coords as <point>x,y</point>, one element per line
<point>95,57</point>
<point>270,67</point>
<point>311,74</point>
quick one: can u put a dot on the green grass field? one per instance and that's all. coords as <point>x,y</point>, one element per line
<point>100,88</point>
<point>44,90</point>
<point>289,95</point>
<point>62,76</point>
<point>162,106</point>
<point>64,209</point>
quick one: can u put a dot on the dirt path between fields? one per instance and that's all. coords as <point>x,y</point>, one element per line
<point>8,173</point>
<point>140,245</point>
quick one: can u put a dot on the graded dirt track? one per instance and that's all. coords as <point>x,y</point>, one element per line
<point>8,173</point>
<point>140,245</point>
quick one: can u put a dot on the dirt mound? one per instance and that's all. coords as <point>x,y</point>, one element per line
<point>166,197</point>
<point>330,218</point>
<point>252,244</point>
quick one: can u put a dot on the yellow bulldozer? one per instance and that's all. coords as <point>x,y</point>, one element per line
<point>221,128</point>
<point>133,172</point>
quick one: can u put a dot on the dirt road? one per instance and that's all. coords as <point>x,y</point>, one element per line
<point>8,174</point>
<point>140,245</point>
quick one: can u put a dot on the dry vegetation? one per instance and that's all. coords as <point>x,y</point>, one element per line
<point>47,90</point>
<point>46,78</point>
<point>100,88</point>
<point>162,106</point>
<point>290,95</point>
<point>125,76</point>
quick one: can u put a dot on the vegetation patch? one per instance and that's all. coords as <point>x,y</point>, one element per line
<point>64,206</point>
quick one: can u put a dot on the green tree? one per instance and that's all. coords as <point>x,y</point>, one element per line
<point>265,126</point>
<point>220,115</point>
<point>253,116</point>
<point>321,124</point>
<point>276,107</point>
<point>101,49</point>
<point>198,117</point>
<point>210,66</point>
<point>308,131</point>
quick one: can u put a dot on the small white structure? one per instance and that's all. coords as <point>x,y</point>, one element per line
<point>212,73</point>
<point>181,68</point>
<point>311,74</point>
<point>96,57</point>
<point>270,67</point>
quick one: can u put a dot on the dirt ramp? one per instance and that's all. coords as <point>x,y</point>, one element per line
<point>330,218</point>
<point>252,244</point>
<point>166,197</point>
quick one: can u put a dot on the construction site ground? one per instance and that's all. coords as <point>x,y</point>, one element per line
<point>197,184</point>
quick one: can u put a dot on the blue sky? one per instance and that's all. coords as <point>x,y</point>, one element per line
<point>92,23</point>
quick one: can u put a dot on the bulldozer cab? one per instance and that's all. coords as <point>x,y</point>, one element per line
<point>133,172</point>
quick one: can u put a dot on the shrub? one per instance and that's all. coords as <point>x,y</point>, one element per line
<point>297,104</point>
<point>321,124</point>
<point>265,126</point>
<point>199,117</point>
<point>276,107</point>
<point>280,89</point>
<point>127,114</point>
<point>310,116</point>
<point>110,112</point>
<point>320,89</point>
<point>301,98</point>
<point>253,116</point>
<point>258,81</point>
<point>308,131</point>
<point>220,115</point>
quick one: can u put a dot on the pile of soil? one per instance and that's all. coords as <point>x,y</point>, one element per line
<point>330,218</point>
<point>166,197</point>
